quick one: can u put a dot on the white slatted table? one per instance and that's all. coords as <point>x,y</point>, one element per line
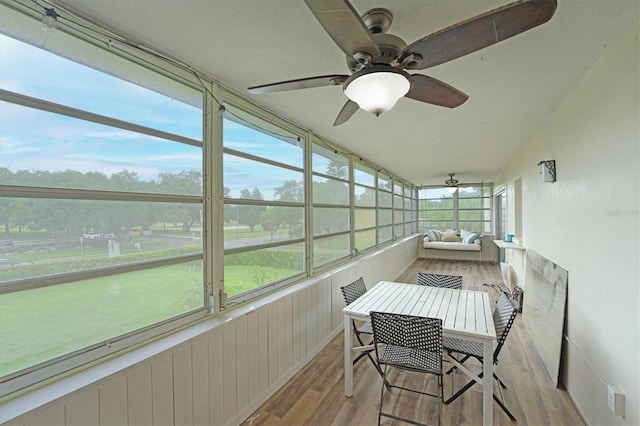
<point>465,314</point>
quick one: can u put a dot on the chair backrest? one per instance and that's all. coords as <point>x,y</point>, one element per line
<point>351,292</point>
<point>438,280</point>
<point>503,317</point>
<point>408,331</point>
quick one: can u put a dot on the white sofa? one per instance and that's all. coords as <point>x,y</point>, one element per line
<point>481,248</point>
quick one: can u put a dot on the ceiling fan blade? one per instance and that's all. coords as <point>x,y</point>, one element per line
<point>301,83</point>
<point>481,31</point>
<point>345,26</point>
<point>436,92</point>
<point>346,112</point>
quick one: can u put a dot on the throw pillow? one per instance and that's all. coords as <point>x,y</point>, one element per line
<point>471,238</point>
<point>449,232</point>
<point>432,234</point>
<point>451,238</point>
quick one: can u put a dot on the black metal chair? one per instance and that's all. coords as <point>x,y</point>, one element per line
<point>438,280</point>
<point>410,343</point>
<point>350,293</point>
<point>503,317</point>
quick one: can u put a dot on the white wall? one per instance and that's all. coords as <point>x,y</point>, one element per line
<point>217,371</point>
<point>588,223</point>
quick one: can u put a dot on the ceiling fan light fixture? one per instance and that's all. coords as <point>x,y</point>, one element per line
<point>377,89</point>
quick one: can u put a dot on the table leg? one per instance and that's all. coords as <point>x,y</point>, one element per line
<point>487,383</point>
<point>348,366</point>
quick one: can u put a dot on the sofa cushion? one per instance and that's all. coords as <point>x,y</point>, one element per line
<point>442,245</point>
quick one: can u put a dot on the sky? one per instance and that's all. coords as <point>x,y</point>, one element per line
<point>32,139</point>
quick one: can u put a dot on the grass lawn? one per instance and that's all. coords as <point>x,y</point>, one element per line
<point>241,278</point>
<point>44,323</point>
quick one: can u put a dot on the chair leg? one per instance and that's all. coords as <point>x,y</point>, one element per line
<point>368,354</point>
<point>504,408</point>
<point>375,364</point>
<point>500,382</point>
<point>441,385</point>
<point>471,383</point>
<point>384,382</point>
<point>501,404</point>
<point>362,354</point>
<point>460,391</point>
<point>466,357</point>
<point>404,419</point>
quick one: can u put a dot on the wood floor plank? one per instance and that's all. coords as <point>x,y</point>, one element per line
<point>315,396</point>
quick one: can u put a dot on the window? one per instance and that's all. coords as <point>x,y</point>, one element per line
<point>365,206</point>
<point>113,175</point>
<point>409,209</point>
<point>263,204</point>
<point>474,208</point>
<point>468,208</point>
<point>385,210</point>
<point>101,205</point>
<point>331,209</point>
<point>398,209</point>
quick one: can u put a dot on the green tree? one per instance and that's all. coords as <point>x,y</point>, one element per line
<point>6,178</point>
<point>367,198</point>
<point>187,182</point>
<point>269,221</point>
<point>292,191</point>
<point>338,170</point>
<point>330,192</point>
<point>125,180</point>
<point>248,214</point>
<point>229,209</point>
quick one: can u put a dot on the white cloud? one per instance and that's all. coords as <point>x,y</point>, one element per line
<point>116,134</point>
<point>176,156</point>
<point>11,145</point>
<point>235,144</point>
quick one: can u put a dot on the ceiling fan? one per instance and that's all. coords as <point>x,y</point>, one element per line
<point>379,61</point>
<point>452,184</point>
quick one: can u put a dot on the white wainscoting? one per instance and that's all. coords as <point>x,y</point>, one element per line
<point>218,371</point>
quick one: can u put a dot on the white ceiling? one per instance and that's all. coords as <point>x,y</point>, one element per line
<point>513,86</point>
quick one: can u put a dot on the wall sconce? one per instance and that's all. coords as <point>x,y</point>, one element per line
<point>547,170</point>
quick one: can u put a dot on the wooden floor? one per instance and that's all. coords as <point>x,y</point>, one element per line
<point>315,396</point>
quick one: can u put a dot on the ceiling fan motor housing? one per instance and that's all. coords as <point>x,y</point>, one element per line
<point>391,46</point>
<point>378,20</point>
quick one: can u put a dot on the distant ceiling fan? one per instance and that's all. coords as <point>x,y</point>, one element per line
<point>378,60</point>
<point>452,184</point>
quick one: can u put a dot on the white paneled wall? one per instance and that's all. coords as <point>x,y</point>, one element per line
<point>222,374</point>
